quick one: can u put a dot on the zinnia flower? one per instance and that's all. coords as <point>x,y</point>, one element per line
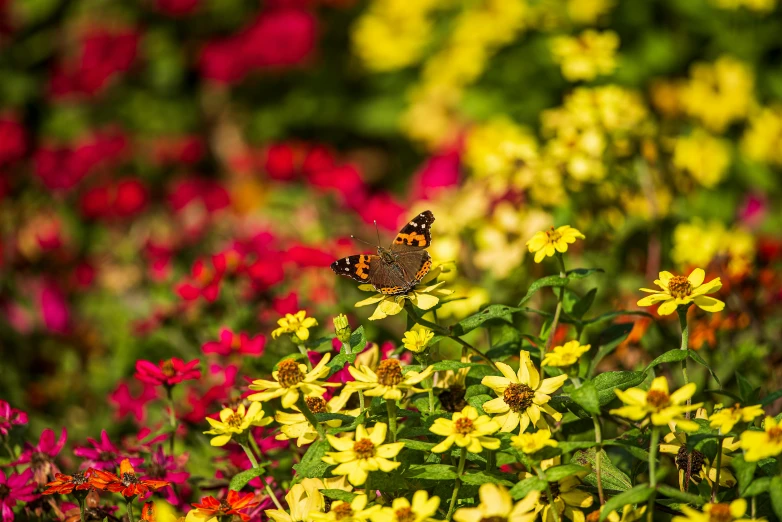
<point>726,418</point>
<point>568,500</point>
<point>67,484</point>
<point>296,426</point>
<point>297,324</point>
<point>303,499</point>
<point>422,509</point>
<point>127,483</point>
<point>497,504</point>
<point>14,488</point>
<point>417,338</point>
<point>658,405</point>
<point>424,296</point>
<point>347,512</point>
<point>522,395</point>
<point>168,372</point>
<point>759,445</point>
<point>468,430</point>
<point>533,442</point>
<point>565,355</point>
<point>680,290</point>
<point>240,343</point>
<point>722,512</point>
<point>233,422</point>
<point>291,380</point>
<point>10,417</point>
<point>546,243</point>
<point>103,454</point>
<point>212,510</point>
<point>367,453</point>
<point>41,457</point>
<point>387,381</point>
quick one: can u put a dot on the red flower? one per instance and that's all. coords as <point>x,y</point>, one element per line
<point>233,504</point>
<point>127,484</point>
<point>13,140</point>
<point>148,512</point>
<point>66,484</point>
<point>177,8</point>
<point>124,198</point>
<point>231,342</point>
<point>10,417</point>
<point>128,404</point>
<point>168,372</point>
<point>280,38</point>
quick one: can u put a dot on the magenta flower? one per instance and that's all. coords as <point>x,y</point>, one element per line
<point>103,455</point>
<point>167,468</point>
<point>168,372</point>
<point>128,404</point>
<point>17,487</point>
<point>231,342</point>
<point>220,380</point>
<point>41,457</point>
<point>10,417</point>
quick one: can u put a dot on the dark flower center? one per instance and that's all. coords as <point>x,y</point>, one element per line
<point>679,287</point>
<point>452,399</point>
<point>518,397</point>
<point>405,514</point>
<point>168,368</point>
<point>316,404</point>
<point>4,491</point>
<point>720,513</point>
<point>289,374</point>
<point>554,487</point>
<point>389,373</point>
<point>657,399</point>
<point>342,511</point>
<point>364,449</point>
<point>79,478</point>
<point>225,507</point>
<point>156,470</point>
<point>463,426</point>
<point>553,235</point>
<point>775,434</point>
<point>235,420</point>
<point>107,456</point>
<point>129,478</point>
<point>682,462</point>
<point>39,459</point>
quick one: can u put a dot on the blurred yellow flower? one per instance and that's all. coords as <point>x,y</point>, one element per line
<point>703,157</point>
<point>533,442</point>
<point>387,381</point>
<point>297,324</point>
<point>356,458</point>
<point>719,93</point>
<point>586,56</point>
<point>467,429</point>
<point>353,511</point>
<point>497,504</point>
<point>726,418</point>
<point>422,509</point>
<point>547,243</point>
<point>657,405</point>
<point>423,296</point>
<point>680,290</point>
<point>762,141</point>
<point>296,426</point>
<point>759,445</point>
<point>417,338</point>
<point>304,499</point>
<point>234,422</point>
<point>291,380</point>
<point>565,355</point>
<point>629,514</point>
<point>723,512</point>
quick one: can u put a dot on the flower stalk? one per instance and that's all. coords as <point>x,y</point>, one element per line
<point>715,486</point>
<point>549,496</point>
<point>598,452</point>
<point>391,409</point>
<point>458,484</point>
<point>653,445</point>
<point>685,344</point>
<point>171,418</point>
<point>558,311</point>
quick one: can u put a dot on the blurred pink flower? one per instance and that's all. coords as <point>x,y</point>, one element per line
<point>186,150</point>
<point>753,210</point>
<point>41,456</point>
<point>167,372</point>
<point>10,417</point>
<point>16,487</point>
<point>13,140</point>
<point>221,381</point>
<point>122,199</point>
<point>279,38</point>
<point>231,342</point>
<point>177,8</point>
<point>53,308</point>
<point>126,403</point>
<point>103,455</point>
<point>167,468</point>
<point>384,208</point>
<point>439,171</point>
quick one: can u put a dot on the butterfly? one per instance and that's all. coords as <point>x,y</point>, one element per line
<point>395,270</point>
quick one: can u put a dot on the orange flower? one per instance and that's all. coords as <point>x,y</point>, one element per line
<point>128,484</point>
<point>66,484</point>
<point>232,505</point>
<point>148,512</point>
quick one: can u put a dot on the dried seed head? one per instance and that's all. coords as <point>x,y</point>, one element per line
<point>316,404</point>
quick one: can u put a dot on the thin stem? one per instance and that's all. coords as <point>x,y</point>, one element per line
<point>250,455</point>
<point>345,348</point>
<point>715,487</point>
<point>303,351</point>
<point>10,452</point>
<point>552,506</point>
<point>254,443</point>
<point>391,408</point>
<point>652,471</point>
<point>80,500</point>
<point>302,404</point>
<point>458,484</point>
<point>361,400</point>
<point>490,460</point>
<point>598,455</point>
<point>171,418</point>
<point>255,464</point>
<point>129,504</point>
<point>685,346</point>
<point>560,299</point>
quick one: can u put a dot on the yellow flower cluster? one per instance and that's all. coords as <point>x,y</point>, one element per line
<point>699,243</point>
<point>702,156</point>
<point>586,56</point>
<point>762,141</point>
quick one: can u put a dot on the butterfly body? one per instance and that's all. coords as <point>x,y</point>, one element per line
<point>395,270</point>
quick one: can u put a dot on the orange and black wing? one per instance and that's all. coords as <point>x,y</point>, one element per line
<point>356,267</point>
<point>416,234</point>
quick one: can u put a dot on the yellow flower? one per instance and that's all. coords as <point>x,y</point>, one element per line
<point>422,509</point>
<point>565,355</point>
<point>234,422</point>
<point>658,405</point>
<point>546,243</point>
<point>568,499</point>
<point>703,157</point>
<point>355,511</point>
<point>387,381</point>
<point>497,504</point>
<point>586,56</point>
<point>675,443</point>
<point>722,512</point>
<point>297,324</point>
<point>468,430</point>
<point>304,499</point>
<point>726,418</point>
<point>533,442</point>
<point>291,379</point>
<point>761,141</point>
<point>680,290</point>
<point>629,514</point>
<point>759,445</point>
<point>417,338</point>
<point>522,395</point>
<point>367,453</point>
<point>296,426</point>
<point>424,296</point>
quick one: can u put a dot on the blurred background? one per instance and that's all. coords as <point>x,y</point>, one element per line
<point>170,169</point>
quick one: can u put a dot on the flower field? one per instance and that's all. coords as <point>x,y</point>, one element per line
<point>390,260</point>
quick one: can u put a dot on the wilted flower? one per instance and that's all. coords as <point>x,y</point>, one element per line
<point>546,243</point>
<point>680,290</point>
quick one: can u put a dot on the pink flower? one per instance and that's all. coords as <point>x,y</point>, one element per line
<point>167,372</point>
<point>10,417</point>
<point>753,210</point>
<point>384,208</point>
<point>439,171</point>
<point>13,140</point>
<point>127,404</point>
<point>53,308</point>
<point>279,38</point>
<point>41,457</point>
<point>122,199</point>
<point>177,8</point>
<point>16,487</point>
<point>221,381</point>
<point>222,61</point>
<point>167,468</point>
<point>103,455</point>
<point>235,343</point>
<point>307,256</point>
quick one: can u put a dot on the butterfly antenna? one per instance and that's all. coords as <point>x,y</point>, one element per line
<point>378,233</point>
<point>361,240</point>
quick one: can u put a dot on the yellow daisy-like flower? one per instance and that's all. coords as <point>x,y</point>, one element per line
<point>297,324</point>
<point>387,381</point>
<point>658,405</point>
<point>424,296</point>
<point>355,511</point>
<point>417,338</point>
<point>759,445</point>
<point>587,55</point>
<point>497,504</point>
<point>422,509</point>
<point>568,500</point>
<point>522,395</point>
<point>468,430</point>
<point>546,243</point>
<point>296,426</point>
<point>702,468</point>
<point>291,380</point>
<point>565,355</point>
<point>356,458</point>
<point>733,512</point>
<point>533,442</point>
<point>726,418</point>
<point>680,290</point>
<point>304,500</point>
<point>234,422</point>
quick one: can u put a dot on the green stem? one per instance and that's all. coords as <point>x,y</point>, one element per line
<point>129,504</point>
<point>255,464</point>
<point>685,346</point>
<point>560,299</point>
<point>250,455</point>
<point>253,443</point>
<point>458,484</point>
<point>715,487</point>
<point>361,400</point>
<point>549,497</point>
<point>391,408</point>
<point>171,418</point>
<point>490,460</point>
<point>598,454</point>
<point>302,404</point>
<point>80,500</point>
<point>345,349</point>
<point>303,351</point>
<point>654,443</point>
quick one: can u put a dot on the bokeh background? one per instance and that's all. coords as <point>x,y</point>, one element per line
<point>170,168</point>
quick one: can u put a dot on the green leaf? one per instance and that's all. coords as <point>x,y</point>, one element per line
<point>472,322</point>
<point>477,402</point>
<point>523,488</point>
<point>609,339</point>
<point>757,486</point>
<point>614,315</point>
<point>637,495</point>
<point>431,472</point>
<point>613,478</point>
<point>358,340</point>
<point>312,465</point>
<point>744,471</point>
<point>338,494</point>
<point>240,480</point>
<point>556,473</point>
<point>323,417</point>
<point>586,397</point>
<point>695,356</point>
<point>441,366</point>
<point>556,281</point>
<point>607,382</point>
<point>630,447</point>
<point>476,478</point>
<point>675,355</point>
<point>583,305</point>
<point>674,493</point>
<point>771,397</point>
<point>775,491</point>
<point>339,362</point>
<point>749,394</point>
<point>417,445</point>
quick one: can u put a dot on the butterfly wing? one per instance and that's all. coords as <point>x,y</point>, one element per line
<point>389,278</point>
<point>356,267</point>
<point>415,265</point>
<point>415,235</point>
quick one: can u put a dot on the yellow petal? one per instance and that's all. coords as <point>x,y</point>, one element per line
<point>696,277</point>
<point>709,303</point>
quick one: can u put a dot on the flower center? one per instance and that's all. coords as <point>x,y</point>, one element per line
<point>775,434</point>
<point>493,519</point>
<point>679,287</point>
<point>452,399</point>
<point>463,426</point>
<point>107,456</point>
<point>554,487</point>
<point>129,478</point>
<point>405,514</point>
<point>342,511</point>
<point>682,458</point>
<point>657,399</point>
<point>553,235</point>
<point>289,374</point>
<point>316,404</point>
<point>225,507</point>
<point>235,420</point>
<point>39,459</point>
<point>4,491</point>
<point>720,513</point>
<point>79,478</point>
<point>518,397</point>
<point>168,368</point>
<point>389,373</point>
<point>364,449</point>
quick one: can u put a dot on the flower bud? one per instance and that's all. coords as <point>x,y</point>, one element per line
<point>342,328</point>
